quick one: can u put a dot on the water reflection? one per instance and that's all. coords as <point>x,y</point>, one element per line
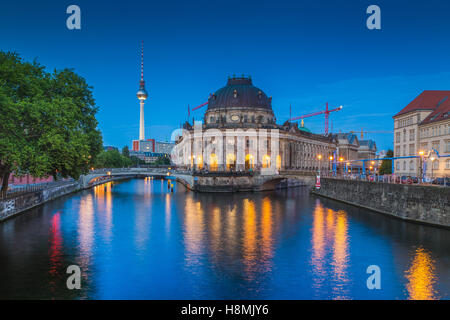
<point>193,232</point>
<point>421,276</point>
<point>266,233</point>
<point>330,247</point>
<point>56,245</point>
<point>86,230</point>
<point>136,239</point>
<point>103,198</point>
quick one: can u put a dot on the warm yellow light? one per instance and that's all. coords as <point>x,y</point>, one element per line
<point>319,157</point>
<point>373,162</point>
<point>341,159</point>
<point>109,173</point>
<point>432,158</point>
<point>370,167</point>
<point>331,158</point>
<point>421,153</point>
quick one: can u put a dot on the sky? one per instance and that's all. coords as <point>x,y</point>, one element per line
<point>302,53</point>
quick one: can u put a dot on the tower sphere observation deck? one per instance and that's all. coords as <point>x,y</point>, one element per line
<point>142,93</point>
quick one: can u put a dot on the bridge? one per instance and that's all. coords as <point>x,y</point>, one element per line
<point>95,177</point>
<point>204,181</point>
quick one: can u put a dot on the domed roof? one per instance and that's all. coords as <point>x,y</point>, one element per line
<point>239,93</point>
<point>304,129</point>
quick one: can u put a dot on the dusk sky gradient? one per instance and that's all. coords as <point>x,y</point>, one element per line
<point>303,53</point>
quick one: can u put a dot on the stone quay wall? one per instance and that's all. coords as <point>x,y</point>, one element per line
<point>12,206</point>
<point>424,204</point>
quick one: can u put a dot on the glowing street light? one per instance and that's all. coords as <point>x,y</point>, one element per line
<point>421,153</point>
<point>432,165</point>
<point>320,161</point>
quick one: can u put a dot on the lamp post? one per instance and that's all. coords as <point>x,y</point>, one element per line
<point>320,162</point>
<point>341,160</point>
<point>331,164</point>
<point>432,165</point>
<point>421,173</point>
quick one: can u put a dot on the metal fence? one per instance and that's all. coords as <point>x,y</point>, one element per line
<point>15,191</point>
<point>388,178</point>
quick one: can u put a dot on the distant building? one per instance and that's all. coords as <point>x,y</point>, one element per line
<point>423,125</point>
<point>382,154</point>
<point>367,149</point>
<point>348,145</point>
<point>147,145</point>
<point>164,147</point>
<point>350,148</point>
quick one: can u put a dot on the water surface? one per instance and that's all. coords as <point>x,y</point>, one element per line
<point>137,240</point>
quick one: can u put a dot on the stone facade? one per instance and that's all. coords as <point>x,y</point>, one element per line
<point>240,133</point>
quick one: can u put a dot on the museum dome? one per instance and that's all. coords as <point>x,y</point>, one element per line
<point>237,94</point>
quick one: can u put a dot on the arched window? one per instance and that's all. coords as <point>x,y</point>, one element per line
<point>411,165</point>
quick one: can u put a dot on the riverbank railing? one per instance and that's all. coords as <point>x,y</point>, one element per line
<point>15,191</point>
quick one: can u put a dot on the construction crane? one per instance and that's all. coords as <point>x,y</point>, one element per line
<point>325,112</point>
<point>200,106</point>
<point>363,132</point>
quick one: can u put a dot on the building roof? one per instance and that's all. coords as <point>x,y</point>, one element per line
<point>442,112</point>
<point>350,138</point>
<point>239,93</point>
<point>369,143</point>
<point>427,100</point>
<point>304,129</point>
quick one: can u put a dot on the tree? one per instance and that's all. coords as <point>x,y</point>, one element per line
<point>162,160</point>
<point>126,152</point>
<point>48,124</point>
<point>112,159</point>
<point>386,165</point>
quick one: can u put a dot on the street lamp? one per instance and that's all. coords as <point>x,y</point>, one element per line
<point>342,166</point>
<point>421,153</point>
<point>320,161</point>
<point>331,165</point>
<point>432,165</point>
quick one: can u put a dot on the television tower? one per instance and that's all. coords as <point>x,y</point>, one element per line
<point>142,96</point>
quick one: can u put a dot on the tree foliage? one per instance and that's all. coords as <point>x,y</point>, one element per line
<point>47,121</point>
<point>126,151</point>
<point>386,165</point>
<point>112,159</point>
<point>162,160</point>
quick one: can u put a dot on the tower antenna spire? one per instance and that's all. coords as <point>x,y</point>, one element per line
<point>142,60</point>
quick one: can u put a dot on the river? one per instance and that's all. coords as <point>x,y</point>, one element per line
<point>137,240</point>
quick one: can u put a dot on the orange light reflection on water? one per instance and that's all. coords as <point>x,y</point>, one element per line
<point>330,251</point>
<point>421,276</point>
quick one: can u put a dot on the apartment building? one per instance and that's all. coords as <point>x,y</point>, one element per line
<point>422,125</point>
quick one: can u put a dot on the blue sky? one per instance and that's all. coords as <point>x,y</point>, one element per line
<point>303,53</point>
